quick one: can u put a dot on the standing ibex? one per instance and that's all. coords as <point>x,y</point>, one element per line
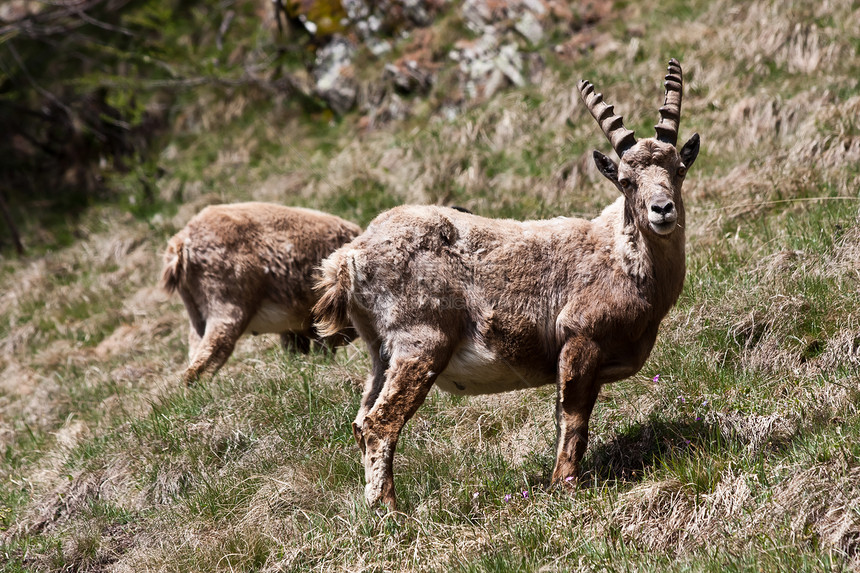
<point>249,267</point>
<point>478,305</point>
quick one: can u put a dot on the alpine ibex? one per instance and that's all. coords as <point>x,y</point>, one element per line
<point>249,267</point>
<point>478,305</point>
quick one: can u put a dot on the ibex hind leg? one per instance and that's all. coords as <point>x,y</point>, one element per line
<point>293,343</point>
<point>196,323</point>
<point>329,344</point>
<point>372,387</point>
<point>407,380</point>
<point>215,347</point>
<point>195,335</point>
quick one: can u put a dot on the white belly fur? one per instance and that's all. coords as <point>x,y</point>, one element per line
<point>476,369</point>
<point>272,317</point>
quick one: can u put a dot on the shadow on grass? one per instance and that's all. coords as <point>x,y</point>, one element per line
<point>635,452</point>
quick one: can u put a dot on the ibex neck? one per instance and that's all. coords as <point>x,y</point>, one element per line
<point>656,264</point>
<point>670,268</point>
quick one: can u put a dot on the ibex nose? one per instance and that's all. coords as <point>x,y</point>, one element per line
<point>663,207</point>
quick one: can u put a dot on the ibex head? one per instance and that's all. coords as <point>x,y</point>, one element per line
<point>651,171</point>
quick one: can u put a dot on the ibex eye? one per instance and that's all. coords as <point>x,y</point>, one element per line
<point>682,171</point>
<point>624,182</point>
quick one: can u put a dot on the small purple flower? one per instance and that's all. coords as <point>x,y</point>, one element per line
<point>687,442</point>
<point>475,495</point>
<point>568,479</point>
<point>682,400</point>
<point>655,378</point>
<point>705,403</point>
<point>525,494</point>
<point>508,497</point>
<point>698,418</point>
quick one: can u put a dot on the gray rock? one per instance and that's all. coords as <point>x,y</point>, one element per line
<point>529,27</point>
<point>486,67</point>
<point>333,75</point>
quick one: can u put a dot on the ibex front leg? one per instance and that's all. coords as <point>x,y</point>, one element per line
<point>577,392</point>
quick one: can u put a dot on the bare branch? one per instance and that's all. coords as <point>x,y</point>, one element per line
<point>61,20</point>
<point>103,25</point>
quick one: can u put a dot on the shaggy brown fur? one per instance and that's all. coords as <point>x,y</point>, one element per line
<point>249,267</point>
<point>478,305</point>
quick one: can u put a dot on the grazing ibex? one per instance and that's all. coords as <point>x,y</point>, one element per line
<point>479,305</point>
<point>250,267</point>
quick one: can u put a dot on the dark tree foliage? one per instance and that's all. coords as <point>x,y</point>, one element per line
<point>66,114</point>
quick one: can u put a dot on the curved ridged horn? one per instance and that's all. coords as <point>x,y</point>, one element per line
<point>670,113</point>
<point>612,125</point>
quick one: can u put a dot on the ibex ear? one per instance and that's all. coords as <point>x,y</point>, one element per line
<point>607,167</point>
<point>690,150</point>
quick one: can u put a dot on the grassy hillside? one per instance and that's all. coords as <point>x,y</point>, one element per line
<point>736,448</point>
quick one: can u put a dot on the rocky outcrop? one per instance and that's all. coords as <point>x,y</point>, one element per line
<point>334,75</point>
<point>404,56</point>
